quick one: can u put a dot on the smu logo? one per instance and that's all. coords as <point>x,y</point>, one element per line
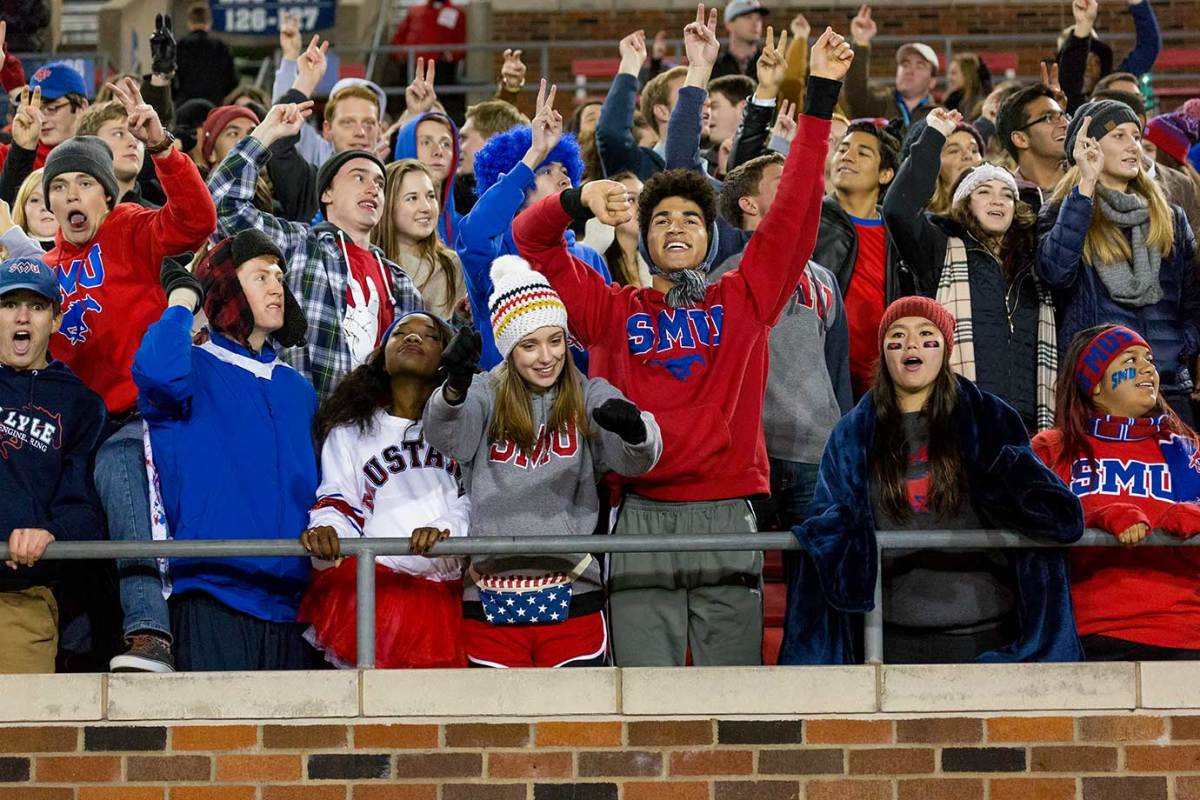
<point>80,274</point>
<point>672,332</point>
<point>813,295</point>
<point>1111,476</point>
<point>559,444</point>
<point>24,268</point>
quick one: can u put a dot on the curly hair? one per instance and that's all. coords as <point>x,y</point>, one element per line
<point>683,183</point>
<point>504,150</point>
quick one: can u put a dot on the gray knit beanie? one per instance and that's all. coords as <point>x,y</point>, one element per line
<point>1105,114</point>
<point>87,154</point>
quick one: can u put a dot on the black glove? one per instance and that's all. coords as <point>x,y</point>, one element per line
<point>622,418</point>
<point>162,46</point>
<point>174,275</point>
<point>460,360</point>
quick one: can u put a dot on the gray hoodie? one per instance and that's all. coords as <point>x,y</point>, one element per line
<point>551,492</point>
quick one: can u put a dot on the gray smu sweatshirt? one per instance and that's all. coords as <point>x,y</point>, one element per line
<point>550,492</point>
<point>808,383</point>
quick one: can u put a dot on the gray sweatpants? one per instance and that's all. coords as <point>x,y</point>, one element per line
<point>662,602</point>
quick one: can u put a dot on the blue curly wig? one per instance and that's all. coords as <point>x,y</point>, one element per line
<point>502,152</point>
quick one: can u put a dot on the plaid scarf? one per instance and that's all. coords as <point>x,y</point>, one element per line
<point>954,292</point>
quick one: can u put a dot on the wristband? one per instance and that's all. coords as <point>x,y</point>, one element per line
<point>572,203</point>
<point>163,146</point>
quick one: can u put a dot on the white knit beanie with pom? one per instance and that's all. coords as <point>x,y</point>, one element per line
<point>521,302</point>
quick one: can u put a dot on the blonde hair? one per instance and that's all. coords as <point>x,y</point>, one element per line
<point>513,419</point>
<point>31,183</point>
<point>386,235</point>
<point>1105,243</point>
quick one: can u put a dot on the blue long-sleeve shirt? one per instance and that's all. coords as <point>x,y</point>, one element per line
<point>618,150</point>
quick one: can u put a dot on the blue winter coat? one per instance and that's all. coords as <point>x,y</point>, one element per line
<point>1008,488</point>
<point>231,433</point>
<point>1170,325</point>
<point>485,234</point>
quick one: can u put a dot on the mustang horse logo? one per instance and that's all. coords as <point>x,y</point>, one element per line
<point>74,324</point>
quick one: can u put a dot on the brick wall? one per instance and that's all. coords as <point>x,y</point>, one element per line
<point>1124,757</point>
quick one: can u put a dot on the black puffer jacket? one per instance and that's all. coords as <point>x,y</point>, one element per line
<point>837,250</point>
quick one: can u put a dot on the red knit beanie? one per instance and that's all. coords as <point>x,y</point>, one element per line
<point>915,306</point>
<point>217,120</point>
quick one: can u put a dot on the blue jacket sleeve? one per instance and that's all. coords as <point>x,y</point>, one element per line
<point>1147,40</point>
<point>683,132</point>
<point>75,512</point>
<point>618,150</point>
<point>162,366</point>
<point>1060,249</point>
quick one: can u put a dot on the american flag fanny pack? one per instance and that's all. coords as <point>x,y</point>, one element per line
<point>525,599</point>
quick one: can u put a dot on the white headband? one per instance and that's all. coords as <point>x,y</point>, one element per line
<point>980,175</point>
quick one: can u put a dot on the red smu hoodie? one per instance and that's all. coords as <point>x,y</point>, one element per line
<point>701,370</point>
<point>110,285</point>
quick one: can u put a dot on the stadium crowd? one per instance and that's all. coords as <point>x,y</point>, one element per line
<point>748,292</point>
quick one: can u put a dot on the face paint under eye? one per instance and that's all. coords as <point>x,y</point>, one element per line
<point>895,346</point>
<point>931,343</point>
<point>1122,376</point>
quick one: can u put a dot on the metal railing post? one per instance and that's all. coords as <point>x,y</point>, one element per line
<point>873,620</point>
<point>365,603</point>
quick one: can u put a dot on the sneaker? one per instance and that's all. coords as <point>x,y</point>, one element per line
<point>148,652</point>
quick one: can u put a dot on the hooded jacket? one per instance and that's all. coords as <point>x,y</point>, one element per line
<point>50,426</point>
<point>231,435</point>
<point>1008,486</point>
<point>1072,56</point>
<point>1170,325</point>
<point>406,147</point>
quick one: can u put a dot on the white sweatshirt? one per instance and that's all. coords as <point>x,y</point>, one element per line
<point>388,483</point>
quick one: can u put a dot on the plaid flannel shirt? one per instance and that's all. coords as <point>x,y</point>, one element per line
<point>316,266</point>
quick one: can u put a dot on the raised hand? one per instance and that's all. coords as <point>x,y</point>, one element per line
<point>633,52</point>
<point>3,36</point>
<point>1049,79</point>
<point>772,65</point>
<point>6,220</point>
<point>311,66</point>
<point>289,35</point>
<point>144,123</point>
<point>282,121</point>
<point>1089,158</point>
<point>459,362</point>
<point>27,123</point>
<point>658,50</point>
<point>1085,12</point>
<point>785,121</point>
<point>830,56</point>
<point>512,71</point>
<point>419,96</point>
<point>162,46</point>
<point>700,39</point>
<point>862,27</point>
<point>609,201</point>
<point>799,27</point>
<point>546,125</point>
<point>943,121</point>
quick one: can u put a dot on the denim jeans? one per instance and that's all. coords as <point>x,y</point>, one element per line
<point>792,486</point>
<point>125,494</point>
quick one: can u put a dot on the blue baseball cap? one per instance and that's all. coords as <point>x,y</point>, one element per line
<point>58,78</point>
<point>31,274</point>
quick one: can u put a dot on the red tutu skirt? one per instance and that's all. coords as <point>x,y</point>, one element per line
<point>418,622</point>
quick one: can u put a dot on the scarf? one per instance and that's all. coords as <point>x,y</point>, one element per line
<point>1125,429</point>
<point>954,292</point>
<point>1134,285</point>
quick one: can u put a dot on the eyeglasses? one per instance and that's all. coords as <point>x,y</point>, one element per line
<point>1053,117</point>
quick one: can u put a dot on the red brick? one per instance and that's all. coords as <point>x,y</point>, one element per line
<point>482,735</point>
<point>302,792</point>
<point>1120,729</point>
<point>712,762</point>
<point>168,769</point>
<point>1185,727</point>
<point>214,737</point>
<point>1032,789</point>
<point>1073,759</point>
<point>947,730</point>
<point>39,740</point>
<point>940,789</point>
<point>259,768</point>
<point>891,761</point>
<point>756,790</point>
<point>78,769</point>
<point>620,764</point>
<point>396,792</point>
<point>529,765</point>
<point>439,765</point>
<point>213,793</point>
<point>396,737</point>
<point>1187,788</point>
<point>39,793</point>
<point>578,734</point>
<point>1141,788</point>
<point>665,790</point>
<point>1030,729</point>
<point>303,737</point>
<point>1149,758</point>
<point>659,733</point>
<point>848,790</point>
<point>121,793</point>
<point>480,791</point>
<point>848,731</point>
<point>802,761</point>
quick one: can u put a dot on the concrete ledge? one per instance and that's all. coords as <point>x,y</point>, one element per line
<point>233,695</point>
<point>490,692</point>
<point>1008,687</point>
<point>51,698</point>
<point>1169,684</point>
<point>748,690</point>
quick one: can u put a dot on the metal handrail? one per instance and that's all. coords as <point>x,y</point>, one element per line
<point>366,550</point>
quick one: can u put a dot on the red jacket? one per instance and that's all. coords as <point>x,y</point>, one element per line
<point>701,371</point>
<point>436,22</point>
<point>110,285</point>
<point>1148,595</point>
